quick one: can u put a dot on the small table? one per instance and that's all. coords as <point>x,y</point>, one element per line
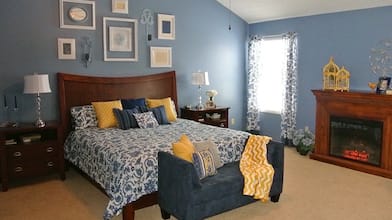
<point>204,116</point>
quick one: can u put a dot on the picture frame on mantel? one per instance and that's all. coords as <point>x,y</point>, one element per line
<point>120,6</point>
<point>120,42</point>
<point>161,57</point>
<point>166,27</point>
<point>77,14</point>
<point>66,49</point>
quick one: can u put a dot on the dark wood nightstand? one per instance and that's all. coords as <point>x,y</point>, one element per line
<point>204,116</point>
<point>28,151</point>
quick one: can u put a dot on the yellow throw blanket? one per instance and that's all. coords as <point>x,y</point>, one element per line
<point>258,173</point>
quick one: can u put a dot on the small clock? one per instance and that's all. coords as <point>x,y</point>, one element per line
<point>77,14</point>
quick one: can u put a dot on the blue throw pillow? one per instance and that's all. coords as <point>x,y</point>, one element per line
<point>125,118</point>
<point>132,103</point>
<point>160,114</point>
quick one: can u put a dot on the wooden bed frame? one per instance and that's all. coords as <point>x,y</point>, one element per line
<point>75,90</point>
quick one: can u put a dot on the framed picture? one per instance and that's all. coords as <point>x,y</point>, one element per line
<point>161,57</point>
<point>166,27</point>
<point>66,49</point>
<point>77,14</point>
<point>383,84</point>
<point>120,6</point>
<point>120,39</point>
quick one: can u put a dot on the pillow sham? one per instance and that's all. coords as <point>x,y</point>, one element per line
<point>210,146</point>
<point>166,102</point>
<point>160,114</point>
<point>146,120</point>
<point>204,163</point>
<point>105,115</point>
<point>125,118</point>
<point>83,117</point>
<point>132,103</point>
<point>183,148</point>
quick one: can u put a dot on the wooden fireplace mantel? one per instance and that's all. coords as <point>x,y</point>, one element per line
<point>353,104</point>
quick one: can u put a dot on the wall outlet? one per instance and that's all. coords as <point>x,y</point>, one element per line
<point>232,121</point>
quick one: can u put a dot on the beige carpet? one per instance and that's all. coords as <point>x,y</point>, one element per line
<point>312,191</point>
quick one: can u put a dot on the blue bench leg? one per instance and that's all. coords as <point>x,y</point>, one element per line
<point>275,198</point>
<point>164,214</point>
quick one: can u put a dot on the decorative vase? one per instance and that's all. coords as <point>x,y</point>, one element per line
<point>303,152</point>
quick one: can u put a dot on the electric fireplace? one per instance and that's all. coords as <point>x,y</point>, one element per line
<point>356,139</point>
<point>354,130</point>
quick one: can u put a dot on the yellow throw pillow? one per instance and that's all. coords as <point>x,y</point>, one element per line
<point>166,102</point>
<point>184,148</point>
<point>105,115</point>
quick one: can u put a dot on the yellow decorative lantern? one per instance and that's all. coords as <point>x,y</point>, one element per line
<point>342,80</point>
<point>329,75</point>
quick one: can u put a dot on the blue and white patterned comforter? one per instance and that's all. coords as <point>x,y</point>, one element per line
<point>124,162</point>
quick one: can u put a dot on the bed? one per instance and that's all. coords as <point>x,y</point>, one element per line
<point>123,163</point>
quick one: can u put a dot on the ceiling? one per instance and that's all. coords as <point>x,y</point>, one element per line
<point>253,11</point>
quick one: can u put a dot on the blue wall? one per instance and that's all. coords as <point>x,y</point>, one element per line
<point>28,40</point>
<point>347,36</point>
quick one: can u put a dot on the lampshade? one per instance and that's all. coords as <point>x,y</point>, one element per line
<point>36,83</point>
<point>200,78</point>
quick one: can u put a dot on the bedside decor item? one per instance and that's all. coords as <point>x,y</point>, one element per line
<point>66,49</point>
<point>210,102</point>
<point>303,140</point>
<point>200,79</point>
<point>37,84</point>
<point>77,14</point>
<point>120,39</point>
<point>120,6</point>
<point>166,27</point>
<point>160,57</point>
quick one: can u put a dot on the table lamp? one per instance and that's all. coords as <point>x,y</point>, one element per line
<point>200,79</point>
<point>37,84</point>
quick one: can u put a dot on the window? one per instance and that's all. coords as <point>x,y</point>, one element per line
<point>272,65</point>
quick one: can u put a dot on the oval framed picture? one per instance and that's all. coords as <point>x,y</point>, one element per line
<point>77,14</point>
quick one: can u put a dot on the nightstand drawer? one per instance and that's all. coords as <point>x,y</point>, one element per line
<point>32,151</point>
<point>32,168</point>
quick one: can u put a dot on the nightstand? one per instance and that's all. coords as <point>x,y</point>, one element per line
<point>205,116</point>
<point>27,151</point>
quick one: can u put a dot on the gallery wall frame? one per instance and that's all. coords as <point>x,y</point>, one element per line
<point>120,6</point>
<point>161,57</point>
<point>77,14</point>
<point>66,49</point>
<point>120,42</point>
<point>166,27</point>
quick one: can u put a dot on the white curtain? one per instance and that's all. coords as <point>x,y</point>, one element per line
<point>288,113</point>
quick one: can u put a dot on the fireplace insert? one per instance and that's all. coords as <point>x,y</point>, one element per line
<point>356,139</point>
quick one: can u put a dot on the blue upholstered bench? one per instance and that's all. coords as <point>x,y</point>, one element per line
<point>181,194</point>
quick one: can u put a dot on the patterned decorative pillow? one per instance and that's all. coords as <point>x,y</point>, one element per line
<point>204,163</point>
<point>210,146</point>
<point>146,120</point>
<point>83,117</point>
<point>125,118</point>
<point>160,114</point>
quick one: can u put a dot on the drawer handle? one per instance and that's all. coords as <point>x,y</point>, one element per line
<point>17,154</point>
<point>50,164</point>
<point>18,169</point>
<point>49,149</point>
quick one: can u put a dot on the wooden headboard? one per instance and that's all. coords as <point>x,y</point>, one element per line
<point>75,90</point>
